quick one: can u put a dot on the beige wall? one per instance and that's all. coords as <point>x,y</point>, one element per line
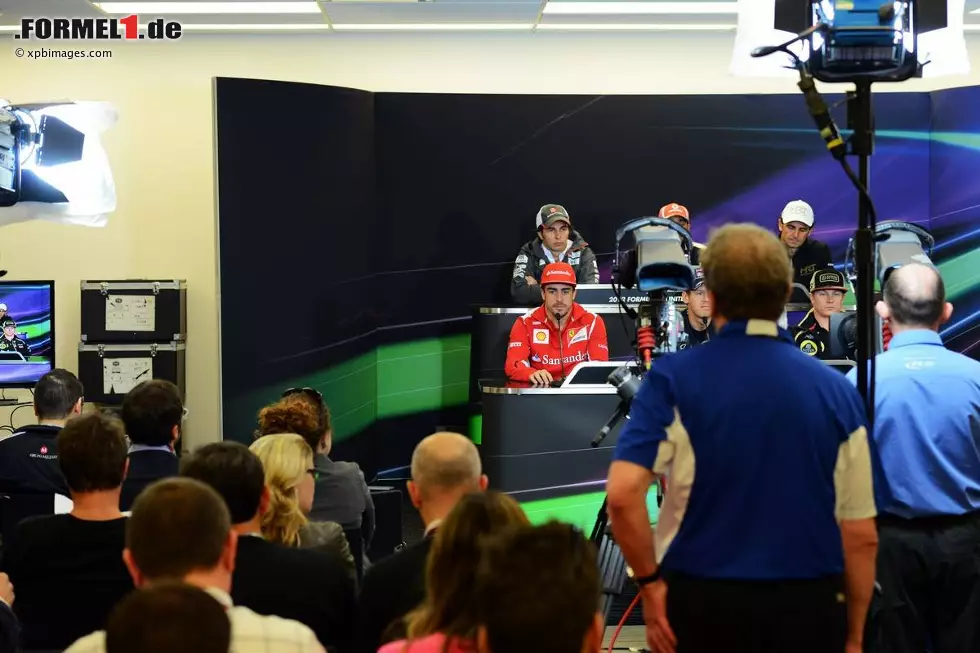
<point>161,150</point>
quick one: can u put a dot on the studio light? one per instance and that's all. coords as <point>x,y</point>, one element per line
<point>931,36</point>
<point>52,164</point>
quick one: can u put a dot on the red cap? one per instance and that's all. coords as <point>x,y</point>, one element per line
<point>674,210</point>
<point>558,273</point>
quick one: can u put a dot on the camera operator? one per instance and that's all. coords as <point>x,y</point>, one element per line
<point>927,475</point>
<point>547,342</point>
<point>697,317</point>
<point>808,255</point>
<point>678,214</point>
<point>747,553</point>
<point>812,334</point>
<point>556,242</point>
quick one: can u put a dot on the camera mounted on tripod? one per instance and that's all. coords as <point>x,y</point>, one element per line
<point>659,263</point>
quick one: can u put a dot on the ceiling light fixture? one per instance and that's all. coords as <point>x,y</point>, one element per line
<point>636,27</point>
<point>176,8</point>
<point>251,27</point>
<point>639,8</point>
<point>433,27</point>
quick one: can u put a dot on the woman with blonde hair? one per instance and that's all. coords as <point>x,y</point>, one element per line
<point>446,622</point>
<point>288,464</point>
<point>342,494</point>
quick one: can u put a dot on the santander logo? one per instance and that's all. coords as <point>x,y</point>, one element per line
<point>577,358</point>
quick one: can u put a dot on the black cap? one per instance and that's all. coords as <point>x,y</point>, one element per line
<point>827,279</point>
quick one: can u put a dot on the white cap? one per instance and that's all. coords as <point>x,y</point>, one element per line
<point>797,211</point>
<point>3,307</point>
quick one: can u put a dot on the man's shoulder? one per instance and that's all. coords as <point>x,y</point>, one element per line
<point>92,643</point>
<point>527,249</point>
<point>250,629</point>
<point>407,559</point>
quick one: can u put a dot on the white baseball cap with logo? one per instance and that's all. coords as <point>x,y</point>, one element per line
<point>797,211</point>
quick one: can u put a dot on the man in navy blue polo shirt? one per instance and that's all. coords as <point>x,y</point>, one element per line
<point>767,478</point>
<point>926,460</point>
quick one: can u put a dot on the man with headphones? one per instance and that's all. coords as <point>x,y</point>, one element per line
<point>556,242</point>
<point>547,342</point>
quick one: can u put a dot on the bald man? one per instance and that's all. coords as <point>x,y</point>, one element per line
<point>927,474</point>
<point>786,486</point>
<point>445,468</point>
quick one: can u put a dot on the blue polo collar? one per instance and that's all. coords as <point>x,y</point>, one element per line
<point>765,328</point>
<point>915,337</point>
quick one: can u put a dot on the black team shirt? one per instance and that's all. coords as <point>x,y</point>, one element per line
<point>68,574</point>
<point>813,255</point>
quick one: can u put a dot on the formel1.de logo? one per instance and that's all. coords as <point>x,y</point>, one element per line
<point>97,29</point>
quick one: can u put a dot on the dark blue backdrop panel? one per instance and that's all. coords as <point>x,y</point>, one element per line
<point>297,230</point>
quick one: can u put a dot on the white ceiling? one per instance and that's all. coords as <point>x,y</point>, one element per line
<point>372,15</point>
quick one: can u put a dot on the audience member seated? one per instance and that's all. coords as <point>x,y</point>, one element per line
<point>180,530</point>
<point>9,627</point>
<point>152,412</point>
<point>68,569</point>
<point>288,464</point>
<point>445,468</point>
<point>538,589</point>
<point>447,620</point>
<point>270,578</point>
<point>341,494</point>
<point>28,462</point>
<point>827,290</point>
<point>555,242</point>
<point>169,618</point>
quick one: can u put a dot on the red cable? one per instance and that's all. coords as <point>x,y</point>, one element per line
<point>622,622</point>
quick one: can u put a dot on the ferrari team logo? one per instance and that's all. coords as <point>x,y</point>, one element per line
<point>540,336</point>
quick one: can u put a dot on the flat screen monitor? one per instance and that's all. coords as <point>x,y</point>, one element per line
<point>27,338</point>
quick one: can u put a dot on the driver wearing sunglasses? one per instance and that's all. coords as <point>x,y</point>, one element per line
<point>678,214</point>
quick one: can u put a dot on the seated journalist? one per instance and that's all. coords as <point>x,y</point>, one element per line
<point>547,342</point>
<point>555,242</point>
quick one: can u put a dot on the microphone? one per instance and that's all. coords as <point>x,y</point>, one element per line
<point>821,115</point>
<point>765,51</point>
<point>561,356</point>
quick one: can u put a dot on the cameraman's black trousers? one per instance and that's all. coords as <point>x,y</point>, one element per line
<point>929,572</point>
<point>721,616</point>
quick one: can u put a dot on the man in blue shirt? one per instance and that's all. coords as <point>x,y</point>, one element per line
<point>767,478</point>
<point>926,459</point>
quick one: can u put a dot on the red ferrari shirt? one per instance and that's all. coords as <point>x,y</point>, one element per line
<point>534,343</point>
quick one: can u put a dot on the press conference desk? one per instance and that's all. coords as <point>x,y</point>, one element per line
<point>536,441</point>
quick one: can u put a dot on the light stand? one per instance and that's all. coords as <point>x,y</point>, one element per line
<point>860,118</point>
<point>861,144</point>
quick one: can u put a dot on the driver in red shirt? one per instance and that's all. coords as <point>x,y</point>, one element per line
<point>548,342</point>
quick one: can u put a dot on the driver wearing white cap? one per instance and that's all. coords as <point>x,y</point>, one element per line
<point>807,255</point>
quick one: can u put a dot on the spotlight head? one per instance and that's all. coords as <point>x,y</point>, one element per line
<point>52,165</point>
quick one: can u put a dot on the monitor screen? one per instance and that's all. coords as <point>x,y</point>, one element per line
<point>27,338</point>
